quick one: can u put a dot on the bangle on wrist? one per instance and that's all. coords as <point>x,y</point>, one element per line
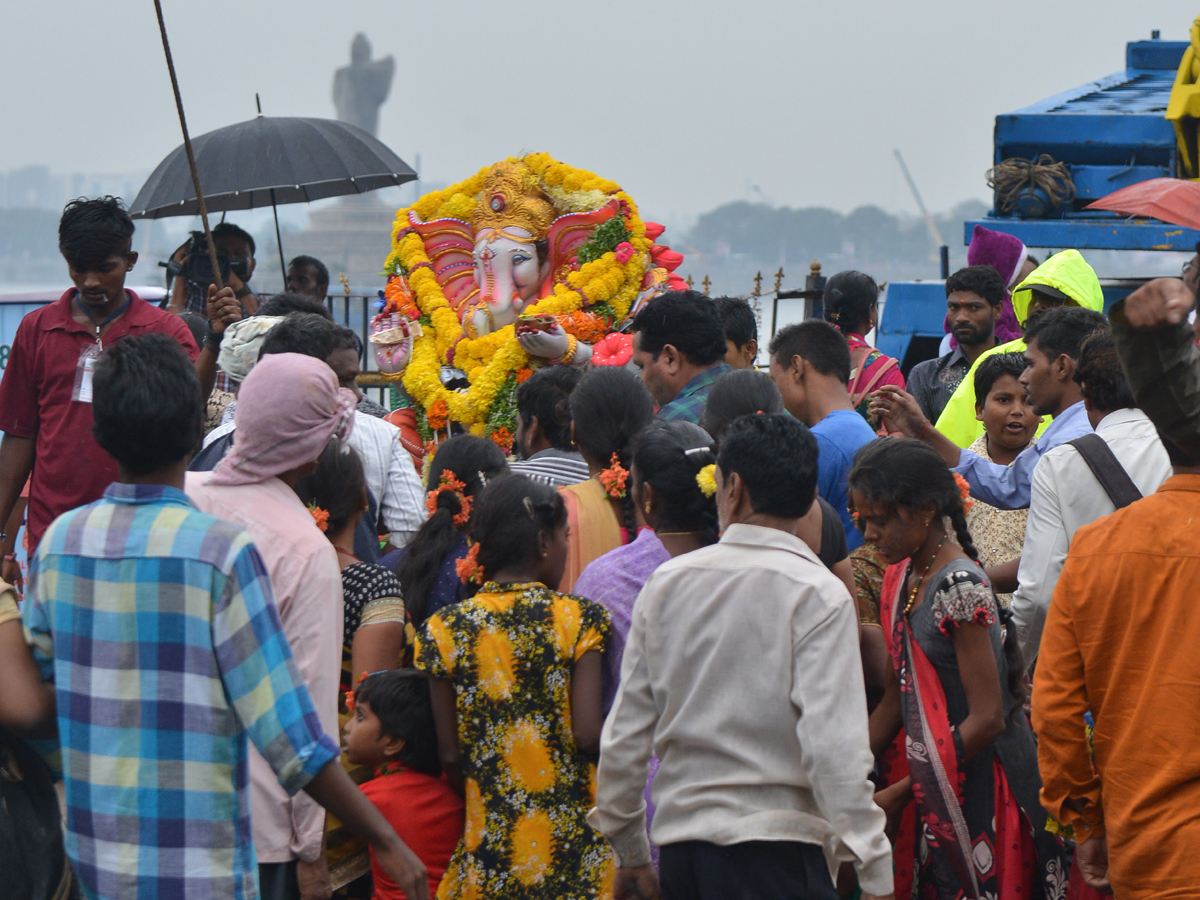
<point>212,340</point>
<point>572,349</point>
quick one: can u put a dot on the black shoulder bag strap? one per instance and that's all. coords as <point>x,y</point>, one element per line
<point>1108,470</point>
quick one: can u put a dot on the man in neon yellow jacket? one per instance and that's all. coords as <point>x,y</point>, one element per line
<point>1065,279</point>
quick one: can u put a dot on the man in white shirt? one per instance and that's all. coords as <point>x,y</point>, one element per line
<point>1066,495</point>
<point>742,673</point>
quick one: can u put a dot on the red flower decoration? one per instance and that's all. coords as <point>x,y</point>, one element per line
<point>468,567</point>
<point>964,491</point>
<point>320,517</point>
<point>613,479</point>
<point>450,482</point>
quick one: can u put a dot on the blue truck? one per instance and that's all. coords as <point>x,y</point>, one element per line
<point>1111,133</point>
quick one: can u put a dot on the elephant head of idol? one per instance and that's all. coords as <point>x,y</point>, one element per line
<point>510,252</point>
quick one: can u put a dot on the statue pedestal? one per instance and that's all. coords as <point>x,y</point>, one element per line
<point>352,236</point>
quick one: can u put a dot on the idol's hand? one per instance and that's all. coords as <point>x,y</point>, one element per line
<point>549,344</point>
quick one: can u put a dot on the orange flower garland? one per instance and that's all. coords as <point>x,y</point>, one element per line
<point>450,482</point>
<point>502,438</point>
<point>468,567</point>
<point>614,477</point>
<point>437,414</point>
<point>320,517</point>
<point>964,491</point>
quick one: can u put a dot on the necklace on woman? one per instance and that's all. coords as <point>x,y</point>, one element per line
<point>912,597</point>
<point>345,552</point>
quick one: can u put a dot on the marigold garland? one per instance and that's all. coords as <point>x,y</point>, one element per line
<point>612,281</point>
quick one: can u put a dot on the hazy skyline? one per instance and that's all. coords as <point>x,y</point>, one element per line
<point>687,105</point>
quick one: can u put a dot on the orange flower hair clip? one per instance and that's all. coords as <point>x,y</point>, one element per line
<point>468,567</point>
<point>320,517</point>
<point>451,483</point>
<point>964,492</point>
<point>614,477</point>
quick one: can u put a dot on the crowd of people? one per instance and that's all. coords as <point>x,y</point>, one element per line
<point>709,631</point>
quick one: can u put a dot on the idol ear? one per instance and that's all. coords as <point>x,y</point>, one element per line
<point>572,231</point>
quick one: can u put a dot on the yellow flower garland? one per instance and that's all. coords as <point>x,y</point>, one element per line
<point>489,359</point>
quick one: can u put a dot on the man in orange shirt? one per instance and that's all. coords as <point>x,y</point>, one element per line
<point>1120,640</point>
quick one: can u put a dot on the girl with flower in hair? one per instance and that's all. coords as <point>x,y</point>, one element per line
<point>428,566</point>
<point>962,782</point>
<point>609,407</point>
<point>516,694</point>
<point>376,633</point>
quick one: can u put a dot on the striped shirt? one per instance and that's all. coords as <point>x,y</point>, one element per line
<point>557,468</point>
<point>158,626</point>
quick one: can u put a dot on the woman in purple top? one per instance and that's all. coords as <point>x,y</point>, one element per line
<point>679,516</point>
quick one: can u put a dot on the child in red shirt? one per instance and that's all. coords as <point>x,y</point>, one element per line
<point>391,728</point>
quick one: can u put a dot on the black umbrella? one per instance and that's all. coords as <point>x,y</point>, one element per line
<point>268,161</point>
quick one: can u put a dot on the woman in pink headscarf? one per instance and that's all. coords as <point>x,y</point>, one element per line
<point>289,408</point>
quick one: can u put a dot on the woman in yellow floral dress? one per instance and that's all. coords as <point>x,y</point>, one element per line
<point>516,691</point>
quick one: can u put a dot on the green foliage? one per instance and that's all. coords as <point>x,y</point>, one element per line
<point>604,239</point>
<point>504,409</point>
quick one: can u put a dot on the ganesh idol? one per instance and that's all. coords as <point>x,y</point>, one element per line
<point>557,253</point>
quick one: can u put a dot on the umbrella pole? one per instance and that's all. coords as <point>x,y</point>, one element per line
<point>187,146</point>
<point>278,239</point>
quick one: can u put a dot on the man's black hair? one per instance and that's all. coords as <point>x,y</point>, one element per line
<point>400,699</point>
<point>742,392</point>
<point>741,326</point>
<point>775,455</point>
<point>818,343</point>
<point>305,333</point>
<point>992,368</point>
<point>90,231</point>
<point>313,263</point>
<point>982,280</point>
<point>1177,457</point>
<point>146,406</point>
<point>688,321</point>
<point>228,229</point>
<point>1063,330</point>
<point>285,303</point>
<point>1100,376</point>
<point>547,394</point>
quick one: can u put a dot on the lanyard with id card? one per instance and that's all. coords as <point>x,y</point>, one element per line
<point>86,366</point>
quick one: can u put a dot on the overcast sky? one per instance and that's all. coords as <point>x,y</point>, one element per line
<point>685,104</point>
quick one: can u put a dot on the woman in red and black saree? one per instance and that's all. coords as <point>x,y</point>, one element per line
<point>961,770</point>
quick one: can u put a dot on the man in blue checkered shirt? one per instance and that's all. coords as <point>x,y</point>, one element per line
<point>158,626</point>
<point>679,346</point>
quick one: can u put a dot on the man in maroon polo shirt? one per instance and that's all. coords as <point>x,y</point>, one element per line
<point>46,392</point>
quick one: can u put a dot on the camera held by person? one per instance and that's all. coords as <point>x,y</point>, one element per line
<point>191,268</point>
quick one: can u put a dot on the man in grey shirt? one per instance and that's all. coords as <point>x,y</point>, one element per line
<point>742,674</point>
<point>974,300</point>
<point>543,437</point>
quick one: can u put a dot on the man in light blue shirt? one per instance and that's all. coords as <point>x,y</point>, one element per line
<point>1053,339</point>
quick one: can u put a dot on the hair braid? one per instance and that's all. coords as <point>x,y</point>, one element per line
<point>958,520</point>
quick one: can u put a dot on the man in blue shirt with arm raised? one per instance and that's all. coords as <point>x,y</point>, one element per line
<point>1053,339</point>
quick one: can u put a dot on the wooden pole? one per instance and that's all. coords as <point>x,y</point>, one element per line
<point>187,148</point>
